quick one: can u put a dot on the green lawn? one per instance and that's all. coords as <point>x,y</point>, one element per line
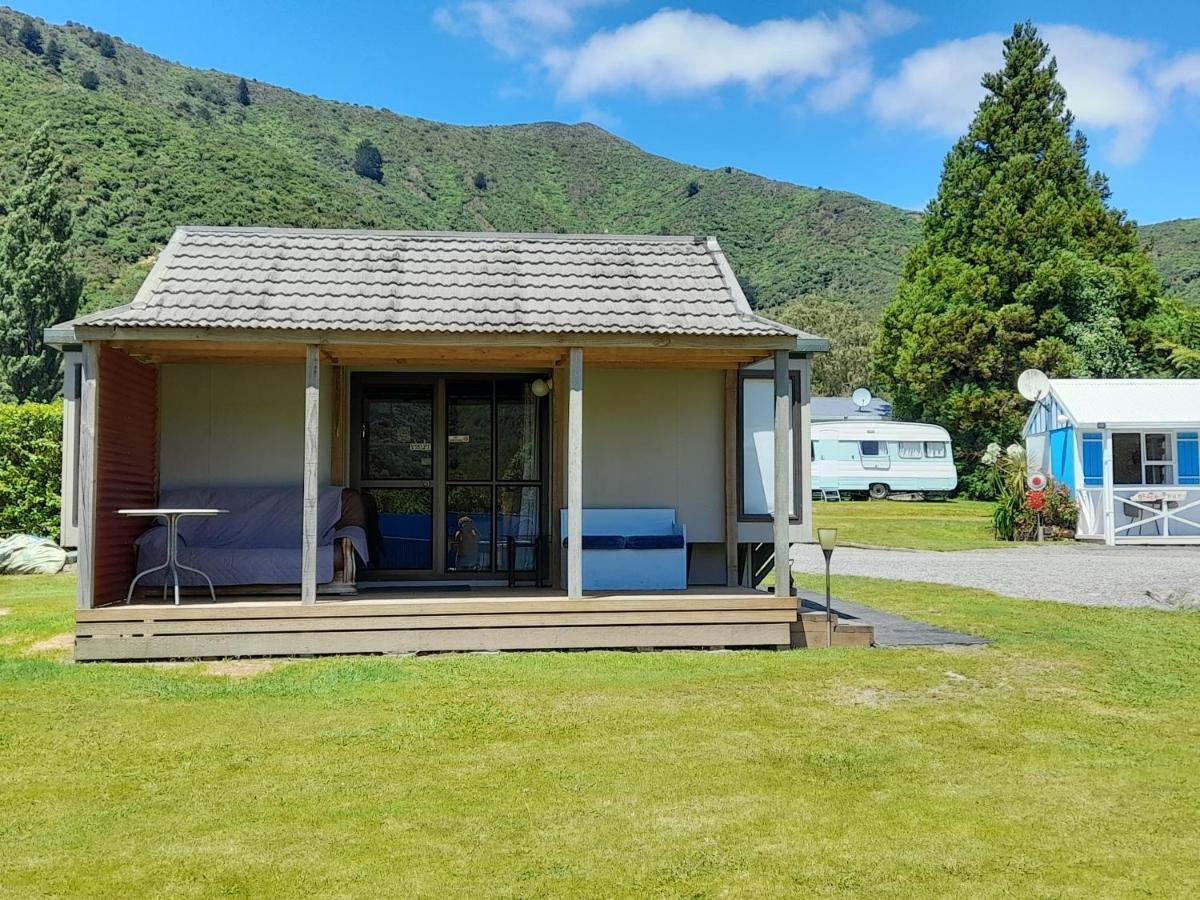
<point>1058,762</point>
<point>948,525</point>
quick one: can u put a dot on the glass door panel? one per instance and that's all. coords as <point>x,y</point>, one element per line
<point>404,527</point>
<point>517,517</point>
<point>469,528</point>
<point>398,433</point>
<point>468,430</point>
<point>516,431</point>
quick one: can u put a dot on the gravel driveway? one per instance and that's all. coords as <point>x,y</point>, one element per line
<point>1070,572</point>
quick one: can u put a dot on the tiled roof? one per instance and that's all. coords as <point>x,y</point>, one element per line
<point>380,281</point>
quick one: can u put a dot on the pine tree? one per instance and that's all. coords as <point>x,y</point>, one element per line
<point>1021,264</point>
<point>368,162</point>
<point>31,37</point>
<point>243,92</point>
<point>38,285</point>
<point>54,55</point>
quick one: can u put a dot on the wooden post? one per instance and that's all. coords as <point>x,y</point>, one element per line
<point>312,443</point>
<point>558,470</point>
<point>1109,505</point>
<point>783,404</point>
<point>89,404</point>
<point>731,486</point>
<point>337,457</point>
<point>575,476</point>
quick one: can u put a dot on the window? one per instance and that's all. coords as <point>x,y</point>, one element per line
<point>1160,462</point>
<point>869,448</point>
<point>910,450</point>
<point>935,449</point>
<point>1143,458</point>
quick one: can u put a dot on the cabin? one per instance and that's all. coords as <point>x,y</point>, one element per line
<point>1128,450</point>
<point>301,441</point>
<point>881,457</point>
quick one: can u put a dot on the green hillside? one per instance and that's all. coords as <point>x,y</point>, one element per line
<point>157,144</point>
<point>1175,249</point>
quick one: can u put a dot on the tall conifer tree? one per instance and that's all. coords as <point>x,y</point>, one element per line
<point>38,286</point>
<point>1021,264</point>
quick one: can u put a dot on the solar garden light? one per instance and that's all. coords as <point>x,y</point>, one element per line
<point>828,539</point>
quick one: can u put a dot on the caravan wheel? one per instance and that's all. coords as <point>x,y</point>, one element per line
<point>878,491</point>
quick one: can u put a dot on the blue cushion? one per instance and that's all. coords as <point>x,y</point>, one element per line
<point>654,542</point>
<point>601,542</point>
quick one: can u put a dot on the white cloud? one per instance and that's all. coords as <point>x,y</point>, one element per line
<point>514,27</point>
<point>678,51</point>
<point>1110,82</point>
<point>1182,74</point>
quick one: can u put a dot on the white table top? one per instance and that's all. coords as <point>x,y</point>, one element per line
<point>171,511</point>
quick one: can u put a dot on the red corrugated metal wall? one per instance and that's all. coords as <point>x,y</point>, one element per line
<point>126,466</point>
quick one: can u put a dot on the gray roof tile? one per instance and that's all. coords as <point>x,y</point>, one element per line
<point>440,282</point>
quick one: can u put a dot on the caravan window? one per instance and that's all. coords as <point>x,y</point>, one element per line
<point>869,448</point>
<point>910,449</point>
<point>935,449</point>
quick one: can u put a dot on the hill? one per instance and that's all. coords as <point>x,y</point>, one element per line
<point>155,144</point>
<point>1174,248</point>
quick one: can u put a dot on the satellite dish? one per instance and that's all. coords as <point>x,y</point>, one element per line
<point>1033,385</point>
<point>861,398</point>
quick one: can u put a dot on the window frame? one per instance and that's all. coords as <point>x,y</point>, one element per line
<point>900,449</point>
<point>794,380</point>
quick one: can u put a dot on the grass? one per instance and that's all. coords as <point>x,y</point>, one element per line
<point>949,525</point>
<point>1060,761</point>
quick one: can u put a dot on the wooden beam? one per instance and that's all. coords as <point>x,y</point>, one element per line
<point>575,476</point>
<point>783,404</point>
<point>89,404</point>
<point>730,480</point>
<point>312,444</point>
<point>341,427</point>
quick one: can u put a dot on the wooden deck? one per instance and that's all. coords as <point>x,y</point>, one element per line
<point>416,621</point>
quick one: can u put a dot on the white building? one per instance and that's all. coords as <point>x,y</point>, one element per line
<point>1129,452</point>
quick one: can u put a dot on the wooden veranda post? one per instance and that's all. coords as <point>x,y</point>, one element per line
<point>575,476</point>
<point>86,477</point>
<point>312,427</point>
<point>731,487</point>
<point>783,402</point>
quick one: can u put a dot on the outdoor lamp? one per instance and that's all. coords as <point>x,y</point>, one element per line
<point>828,540</point>
<point>541,387</point>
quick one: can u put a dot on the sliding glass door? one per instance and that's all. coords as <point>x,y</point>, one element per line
<point>452,469</point>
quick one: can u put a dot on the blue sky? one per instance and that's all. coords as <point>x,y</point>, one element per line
<point>863,97</point>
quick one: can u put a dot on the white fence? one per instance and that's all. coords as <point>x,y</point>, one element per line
<point>1156,513</point>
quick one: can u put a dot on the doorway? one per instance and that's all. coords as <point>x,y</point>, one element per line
<point>453,470</point>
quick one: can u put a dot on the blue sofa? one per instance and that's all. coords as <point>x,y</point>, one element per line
<point>631,550</point>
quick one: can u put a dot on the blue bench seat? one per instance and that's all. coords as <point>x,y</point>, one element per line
<point>632,549</point>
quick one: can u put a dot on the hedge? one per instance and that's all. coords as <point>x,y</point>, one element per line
<point>30,467</point>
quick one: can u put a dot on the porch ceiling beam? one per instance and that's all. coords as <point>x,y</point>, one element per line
<point>518,339</point>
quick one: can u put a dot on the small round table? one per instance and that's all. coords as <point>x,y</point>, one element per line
<point>171,517</point>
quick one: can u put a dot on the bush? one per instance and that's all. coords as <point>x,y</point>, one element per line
<point>1014,519</point>
<point>368,161</point>
<point>30,37</point>
<point>30,467</point>
<point>90,80</point>
<point>481,181</point>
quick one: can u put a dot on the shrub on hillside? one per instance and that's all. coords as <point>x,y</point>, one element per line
<point>31,37</point>
<point>90,80</point>
<point>368,161</point>
<point>30,467</point>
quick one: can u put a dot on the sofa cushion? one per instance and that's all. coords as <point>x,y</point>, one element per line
<point>601,542</point>
<point>654,542</point>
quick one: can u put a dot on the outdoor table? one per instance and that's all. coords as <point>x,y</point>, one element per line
<point>171,517</point>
